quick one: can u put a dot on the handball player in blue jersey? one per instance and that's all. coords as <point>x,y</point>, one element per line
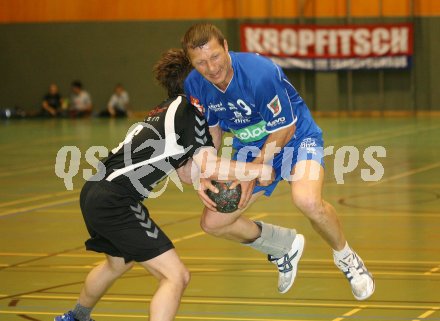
<point>249,96</point>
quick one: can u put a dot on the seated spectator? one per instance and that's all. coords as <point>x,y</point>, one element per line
<point>52,102</point>
<point>118,103</point>
<point>80,102</point>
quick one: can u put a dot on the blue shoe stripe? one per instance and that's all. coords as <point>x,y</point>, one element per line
<point>286,265</point>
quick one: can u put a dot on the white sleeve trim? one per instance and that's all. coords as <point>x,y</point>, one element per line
<point>215,125</point>
<point>285,126</point>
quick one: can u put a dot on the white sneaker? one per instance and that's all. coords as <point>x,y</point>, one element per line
<point>288,264</point>
<point>361,281</point>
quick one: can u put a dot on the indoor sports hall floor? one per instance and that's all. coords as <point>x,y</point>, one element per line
<point>393,223</point>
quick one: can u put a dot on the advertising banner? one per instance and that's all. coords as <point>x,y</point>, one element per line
<point>316,47</point>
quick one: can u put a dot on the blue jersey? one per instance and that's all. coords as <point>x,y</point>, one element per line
<point>258,101</point>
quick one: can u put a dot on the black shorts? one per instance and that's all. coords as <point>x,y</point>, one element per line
<point>119,224</point>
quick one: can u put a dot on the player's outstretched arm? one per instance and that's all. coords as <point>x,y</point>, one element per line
<point>209,166</point>
<point>213,167</point>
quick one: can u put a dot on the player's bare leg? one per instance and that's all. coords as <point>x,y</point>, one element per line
<point>306,187</point>
<point>173,279</point>
<point>307,195</point>
<point>100,279</point>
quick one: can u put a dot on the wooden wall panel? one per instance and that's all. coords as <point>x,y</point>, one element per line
<point>12,11</point>
<point>362,8</point>
<point>396,8</point>
<point>427,8</point>
<point>323,9</point>
<point>113,10</point>
<point>285,8</point>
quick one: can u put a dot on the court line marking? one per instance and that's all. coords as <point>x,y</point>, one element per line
<point>368,139</point>
<point>39,206</point>
<point>33,164</point>
<point>187,237</point>
<point>413,186</point>
<point>426,314</point>
<point>433,270</point>
<point>18,264</point>
<point>370,214</point>
<point>190,236</point>
<point>27,171</point>
<point>36,198</point>
<point>234,270</point>
<point>286,213</point>
<point>350,313</point>
<point>334,271</point>
<point>406,174</point>
<point>240,302</point>
<point>226,258</point>
<point>46,254</point>
<point>380,133</point>
<point>43,141</point>
<point>143,316</point>
<point>398,131</point>
<point>222,258</point>
<point>234,319</point>
<point>89,266</point>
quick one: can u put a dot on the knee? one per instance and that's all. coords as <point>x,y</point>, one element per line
<point>210,226</point>
<point>185,277</point>
<point>182,278</point>
<point>311,206</point>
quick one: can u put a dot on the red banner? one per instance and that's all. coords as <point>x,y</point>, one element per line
<point>357,46</point>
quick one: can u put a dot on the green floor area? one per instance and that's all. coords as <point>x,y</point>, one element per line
<point>391,220</point>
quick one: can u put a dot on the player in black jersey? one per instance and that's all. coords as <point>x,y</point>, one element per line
<point>172,136</point>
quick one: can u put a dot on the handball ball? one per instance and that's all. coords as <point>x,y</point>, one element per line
<point>226,199</point>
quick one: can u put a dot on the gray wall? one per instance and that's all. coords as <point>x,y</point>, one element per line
<point>105,53</point>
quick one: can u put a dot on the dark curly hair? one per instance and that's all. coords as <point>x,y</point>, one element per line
<point>171,70</point>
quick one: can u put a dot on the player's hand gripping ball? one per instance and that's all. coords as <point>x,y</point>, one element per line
<point>226,199</point>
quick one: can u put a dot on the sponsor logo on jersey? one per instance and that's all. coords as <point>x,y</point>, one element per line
<point>216,107</point>
<point>251,133</point>
<point>239,118</point>
<point>196,103</point>
<point>278,121</point>
<point>309,144</point>
<point>275,106</point>
<point>152,118</point>
<point>231,106</point>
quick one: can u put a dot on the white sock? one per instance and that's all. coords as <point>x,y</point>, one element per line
<point>342,253</point>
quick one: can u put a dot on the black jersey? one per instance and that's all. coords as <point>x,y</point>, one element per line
<point>164,141</point>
